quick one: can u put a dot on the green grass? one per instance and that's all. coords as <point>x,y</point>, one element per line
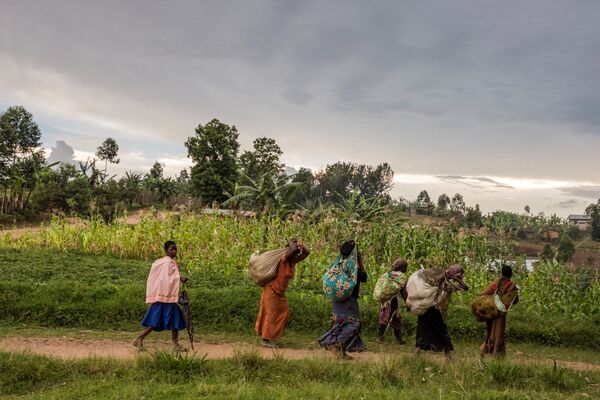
<point>248,376</point>
<point>56,289</point>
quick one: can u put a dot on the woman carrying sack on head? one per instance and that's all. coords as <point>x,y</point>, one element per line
<point>508,293</point>
<point>344,333</point>
<point>273,313</point>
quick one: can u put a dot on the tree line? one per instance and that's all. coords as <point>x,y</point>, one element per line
<point>222,176</point>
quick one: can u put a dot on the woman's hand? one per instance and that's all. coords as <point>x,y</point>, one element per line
<point>184,279</point>
<point>303,252</point>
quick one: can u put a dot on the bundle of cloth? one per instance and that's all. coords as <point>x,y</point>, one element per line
<point>488,306</point>
<point>389,285</point>
<point>340,278</point>
<point>431,287</point>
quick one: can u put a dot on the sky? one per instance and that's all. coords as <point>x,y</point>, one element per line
<point>499,101</point>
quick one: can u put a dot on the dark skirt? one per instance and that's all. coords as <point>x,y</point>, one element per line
<point>164,316</point>
<point>432,332</point>
<point>346,326</point>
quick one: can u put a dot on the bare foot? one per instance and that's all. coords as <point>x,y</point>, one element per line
<point>139,344</point>
<point>177,348</point>
<point>268,344</point>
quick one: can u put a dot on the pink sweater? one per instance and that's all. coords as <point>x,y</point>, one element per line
<point>163,281</point>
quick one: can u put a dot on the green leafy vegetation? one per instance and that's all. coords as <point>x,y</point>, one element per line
<point>93,277</point>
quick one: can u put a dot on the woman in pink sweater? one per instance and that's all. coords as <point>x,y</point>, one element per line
<point>162,292</point>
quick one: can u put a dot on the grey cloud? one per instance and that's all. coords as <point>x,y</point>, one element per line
<point>590,192</point>
<point>467,180</point>
<point>569,203</point>
<point>537,60</point>
<point>461,87</point>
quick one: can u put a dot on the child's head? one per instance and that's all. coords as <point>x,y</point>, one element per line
<point>171,248</point>
<point>400,265</point>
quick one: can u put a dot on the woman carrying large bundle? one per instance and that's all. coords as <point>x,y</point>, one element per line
<point>273,312</point>
<point>429,292</point>
<point>508,294</point>
<point>342,285</point>
<point>388,290</point>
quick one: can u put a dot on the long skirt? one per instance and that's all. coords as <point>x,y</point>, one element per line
<point>346,326</point>
<point>164,316</point>
<point>273,314</point>
<point>494,340</point>
<point>432,332</point>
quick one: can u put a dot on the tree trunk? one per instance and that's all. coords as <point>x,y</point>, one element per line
<point>26,204</point>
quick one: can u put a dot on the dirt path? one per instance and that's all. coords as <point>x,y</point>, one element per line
<point>67,348</point>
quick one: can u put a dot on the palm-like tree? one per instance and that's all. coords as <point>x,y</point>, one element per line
<point>359,208</point>
<point>268,194</point>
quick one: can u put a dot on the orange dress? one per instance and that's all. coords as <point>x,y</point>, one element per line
<point>274,313</point>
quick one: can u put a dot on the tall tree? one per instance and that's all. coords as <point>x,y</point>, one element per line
<point>306,187</point>
<point>20,156</point>
<point>424,203</point>
<point>457,204</point>
<point>593,210</point>
<point>337,181</point>
<point>263,159</point>
<point>443,201</point>
<point>373,181</point>
<point>108,152</point>
<point>214,149</point>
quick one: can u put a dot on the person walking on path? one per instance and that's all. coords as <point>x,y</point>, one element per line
<point>508,292</point>
<point>343,336</point>
<point>389,313</point>
<point>273,312</point>
<point>432,331</point>
<point>162,293</point>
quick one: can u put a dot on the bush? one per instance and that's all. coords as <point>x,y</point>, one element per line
<point>566,249</point>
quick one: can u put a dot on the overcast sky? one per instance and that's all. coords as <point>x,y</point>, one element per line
<point>497,100</point>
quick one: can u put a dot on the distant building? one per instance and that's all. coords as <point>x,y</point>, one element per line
<point>583,221</point>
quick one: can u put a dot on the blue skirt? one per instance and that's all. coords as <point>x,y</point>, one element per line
<point>164,316</point>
